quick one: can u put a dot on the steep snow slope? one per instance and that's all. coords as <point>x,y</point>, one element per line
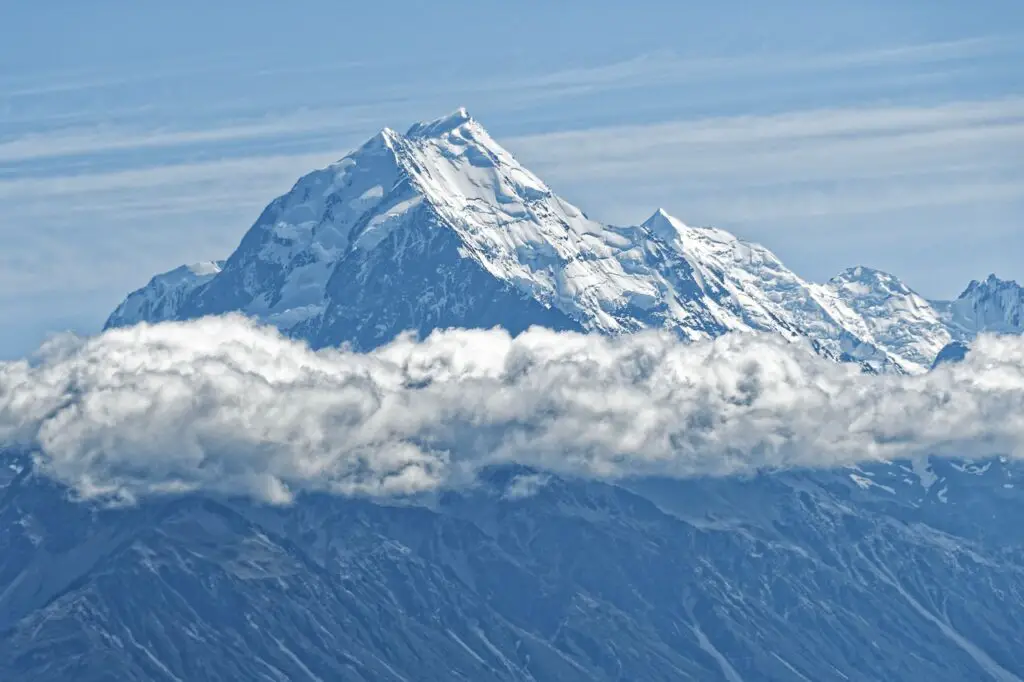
<point>897,318</point>
<point>443,227</point>
<point>746,287</point>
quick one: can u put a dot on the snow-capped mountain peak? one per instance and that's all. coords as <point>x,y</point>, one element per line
<point>992,305</point>
<point>896,316</point>
<point>870,281</point>
<point>664,226</point>
<point>989,283</point>
<point>442,226</point>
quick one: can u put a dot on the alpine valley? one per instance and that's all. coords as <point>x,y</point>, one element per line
<point>904,570</point>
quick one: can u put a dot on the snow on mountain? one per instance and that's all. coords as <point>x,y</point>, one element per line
<point>897,317</point>
<point>993,305</point>
<point>445,197</point>
<point>747,288</point>
<point>442,227</point>
<point>162,297</point>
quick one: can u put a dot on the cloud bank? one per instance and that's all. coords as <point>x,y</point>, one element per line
<point>223,404</point>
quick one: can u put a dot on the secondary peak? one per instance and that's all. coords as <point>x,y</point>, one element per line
<point>663,224</point>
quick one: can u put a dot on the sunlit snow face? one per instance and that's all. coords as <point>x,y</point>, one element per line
<point>223,404</point>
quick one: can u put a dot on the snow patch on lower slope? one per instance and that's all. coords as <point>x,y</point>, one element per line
<point>984,661</point>
<point>728,671</point>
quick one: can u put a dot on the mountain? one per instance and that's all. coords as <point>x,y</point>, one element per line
<point>897,318</point>
<point>442,227</point>
<point>162,297</point>
<point>994,305</point>
<point>897,572</point>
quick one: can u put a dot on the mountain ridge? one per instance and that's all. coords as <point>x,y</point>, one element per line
<point>420,231</point>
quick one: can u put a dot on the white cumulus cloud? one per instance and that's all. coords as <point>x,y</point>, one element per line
<point>223,404</point>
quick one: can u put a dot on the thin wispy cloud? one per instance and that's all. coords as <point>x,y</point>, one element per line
<point>199,207</point>
<point>15,87</point>
<point>799,124</point>
<point>840,144</point>
<point>629,72</point>
<point>643,71</point>
<point>100,140</point>
<point>668,67</point>
<point>861,154</point>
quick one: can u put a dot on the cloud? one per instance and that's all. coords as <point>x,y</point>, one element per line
<point>666,67</point>
<point>924,148</point>
<point>649,70</point>
<point>222,404</point>
<point>820,162</point>
<point>101,139</point>
<point>837,141</point>
<point>525,485</point>
<point>192,176</point>
<point>182,67</point>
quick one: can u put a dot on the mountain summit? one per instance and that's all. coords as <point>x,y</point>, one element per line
<point>994,304</point>
<point>442,227</point>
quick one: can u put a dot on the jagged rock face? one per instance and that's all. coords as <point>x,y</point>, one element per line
<point>434,288</point>
<point>163,297</point>
<point>904,571</point>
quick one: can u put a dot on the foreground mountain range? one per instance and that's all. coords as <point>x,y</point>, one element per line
<point>898,571</point>
<point>442,227</point>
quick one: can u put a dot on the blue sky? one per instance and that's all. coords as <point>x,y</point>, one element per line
<point>138,136</point>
